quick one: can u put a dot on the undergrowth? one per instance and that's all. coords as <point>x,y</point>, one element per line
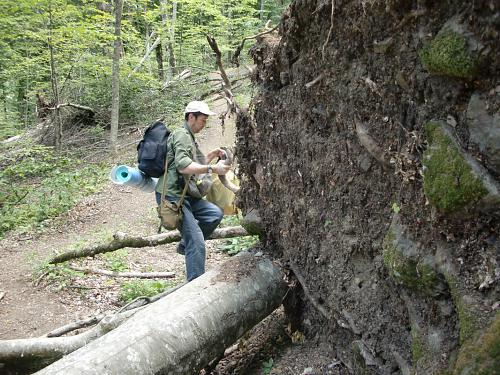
<point>234,245</point>
<point>37,184</point>
<point>130,290</point>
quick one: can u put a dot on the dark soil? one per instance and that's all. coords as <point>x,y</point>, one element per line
<point>327,203</point>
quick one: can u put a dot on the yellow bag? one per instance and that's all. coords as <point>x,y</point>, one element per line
<point>221,196</point>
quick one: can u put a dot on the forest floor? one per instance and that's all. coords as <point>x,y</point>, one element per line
<point>36,300</point>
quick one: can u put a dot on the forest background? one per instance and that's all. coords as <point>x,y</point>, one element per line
<point>56,68</point>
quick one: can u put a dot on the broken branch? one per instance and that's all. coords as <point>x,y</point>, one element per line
<point>139,275</point>
<point>121,240</point>
<point>82,107</point>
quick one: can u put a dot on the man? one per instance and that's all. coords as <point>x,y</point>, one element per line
<point>200,218</point>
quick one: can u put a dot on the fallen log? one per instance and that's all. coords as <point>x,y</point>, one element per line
<point>35,353</point>
<point>121,240</point>
<point>137,275</point>
<point>181,333</point>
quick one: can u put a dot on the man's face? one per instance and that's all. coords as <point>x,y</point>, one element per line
<point>197,123</point>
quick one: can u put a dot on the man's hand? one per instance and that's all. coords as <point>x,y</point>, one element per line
<point>220,168</point>
<point>218,152</point>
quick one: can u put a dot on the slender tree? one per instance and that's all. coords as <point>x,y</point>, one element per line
<point>115,95</point>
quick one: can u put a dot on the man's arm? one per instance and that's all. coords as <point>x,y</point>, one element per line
<point>195,168</point>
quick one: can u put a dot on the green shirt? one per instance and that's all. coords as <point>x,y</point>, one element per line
<point>180,145</point>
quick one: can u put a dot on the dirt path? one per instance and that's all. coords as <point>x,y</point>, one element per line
<point>27,310</point>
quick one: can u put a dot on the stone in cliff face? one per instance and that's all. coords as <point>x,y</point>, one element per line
<point>453,52</point>
<point>406,263</point>
<point>484,131</point>
<point>453,180</point>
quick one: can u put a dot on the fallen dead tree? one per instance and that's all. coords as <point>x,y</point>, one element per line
<point>121,240</point>
<point>137,275</point>
<point>181,333</point>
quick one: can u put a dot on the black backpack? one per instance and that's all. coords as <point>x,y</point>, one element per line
<point>152,150</point>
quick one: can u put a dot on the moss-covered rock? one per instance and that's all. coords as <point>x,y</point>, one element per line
<point>467,318</point>
<point>481,356</point>
<point>448,54</point>
<point>404,263</point>
<point>449,181</point>
<point>252,223</point>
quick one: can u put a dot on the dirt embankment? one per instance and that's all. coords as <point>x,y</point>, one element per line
<point>372,153</point>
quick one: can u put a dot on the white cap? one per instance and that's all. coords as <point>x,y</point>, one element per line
<point>197,106</point>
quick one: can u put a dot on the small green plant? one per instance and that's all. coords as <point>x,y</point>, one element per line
<point>237,244</point>
<point>58,274</point>
<point>130,290</point>
<point>267,366</point>
<point>230,220</point>
<point>327,223</point>
<point>117,260</point>
<point>396,208</point>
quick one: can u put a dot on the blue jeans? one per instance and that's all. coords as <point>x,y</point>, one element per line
<point>200,218</point>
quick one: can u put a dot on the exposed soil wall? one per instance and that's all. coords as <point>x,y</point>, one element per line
<point>372,152</point>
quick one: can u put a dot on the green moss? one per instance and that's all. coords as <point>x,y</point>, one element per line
<point>467,320</point>
<point>407,271</point>
<point>448,54</point>
<point>449,183</point>
<point>417,346</point>
<point>481,356</point>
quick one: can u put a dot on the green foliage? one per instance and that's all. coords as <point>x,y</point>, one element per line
<point>449,182</point>
<point>117,260</point>
<point>81,34</point>
<point>448,54</point>
<point>35,185</point>
<point>267,366</point>
<point>395,208</point>
<point>235,245</point>
<point>130,290</point>
<point>58,274</point>
<point>230,220</point>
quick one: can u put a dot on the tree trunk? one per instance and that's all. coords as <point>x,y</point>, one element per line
<point>184,331</point>
<point>115,96</point>
<point>171,42</point>
<point>55,89</point>
<point>159,60</point>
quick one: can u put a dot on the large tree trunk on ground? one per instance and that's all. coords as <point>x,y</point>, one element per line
<point>121,240</point>
<point>184,331</point>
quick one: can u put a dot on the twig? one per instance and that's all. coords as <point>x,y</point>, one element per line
<point>315,81</point>
<point>146,300</point>
<point>139,275</point>
<point>329,31</point>
<point>75,325</point>
<point>40,278</point>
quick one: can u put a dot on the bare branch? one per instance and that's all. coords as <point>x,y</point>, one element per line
<point>139,275</point>
<point>82,107</point>
<point>122,240</point>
